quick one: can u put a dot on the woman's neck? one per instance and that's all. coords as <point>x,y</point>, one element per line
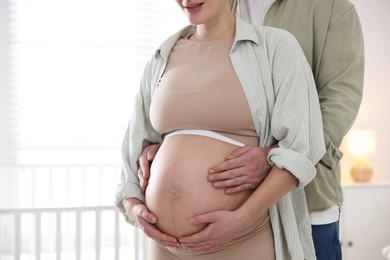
<point>218,29</point>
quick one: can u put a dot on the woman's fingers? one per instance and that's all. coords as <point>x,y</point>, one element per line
<point>146,220</point>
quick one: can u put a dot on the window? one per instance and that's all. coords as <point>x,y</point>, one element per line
<point>73,66</point>
<point>68,73</point>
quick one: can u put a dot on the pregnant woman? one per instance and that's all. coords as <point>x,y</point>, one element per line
<point>217,85</point>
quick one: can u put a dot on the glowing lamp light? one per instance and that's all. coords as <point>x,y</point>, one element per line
<point>361,145</point>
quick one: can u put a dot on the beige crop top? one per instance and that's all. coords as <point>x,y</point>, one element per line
<point>200,90</point>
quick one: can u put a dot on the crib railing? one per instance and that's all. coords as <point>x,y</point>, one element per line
<point>28,233</point>
<point>64,212</point>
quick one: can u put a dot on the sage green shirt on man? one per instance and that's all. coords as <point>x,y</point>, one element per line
<point>330,35</point>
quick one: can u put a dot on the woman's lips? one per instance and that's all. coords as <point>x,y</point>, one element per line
<point>192,8</point>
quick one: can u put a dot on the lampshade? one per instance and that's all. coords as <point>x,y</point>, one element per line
<point>361,143</point>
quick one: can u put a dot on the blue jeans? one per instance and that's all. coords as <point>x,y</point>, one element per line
<point>326,241</point>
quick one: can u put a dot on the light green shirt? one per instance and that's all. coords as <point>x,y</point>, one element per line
<point>281,93</point>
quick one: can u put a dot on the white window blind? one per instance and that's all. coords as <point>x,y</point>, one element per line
<point>73,68</point>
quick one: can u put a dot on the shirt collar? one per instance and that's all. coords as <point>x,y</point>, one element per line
<point>244,32</point>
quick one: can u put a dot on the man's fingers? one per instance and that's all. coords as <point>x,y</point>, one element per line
<point>142,180</point>
<point>238,152</point>
<point>149,153</point>
<point>225,175</point>
<point>145,159</point>
<point>226,165</point>
<point>152,151</point>
<point>234,185</point>
<point>229,182</point>
<point>144,166</point>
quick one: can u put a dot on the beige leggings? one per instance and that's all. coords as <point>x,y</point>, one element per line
<point>255,243</point>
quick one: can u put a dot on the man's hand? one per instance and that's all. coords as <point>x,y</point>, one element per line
<point>144,163</point>
<point>146,220</point>
<point>244,169</point>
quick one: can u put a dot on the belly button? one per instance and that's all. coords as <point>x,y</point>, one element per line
<point>174,193</point>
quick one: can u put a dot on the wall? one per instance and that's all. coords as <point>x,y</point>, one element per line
<point>375,108</point>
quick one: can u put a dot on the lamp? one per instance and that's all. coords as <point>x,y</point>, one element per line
<point>361,145</point>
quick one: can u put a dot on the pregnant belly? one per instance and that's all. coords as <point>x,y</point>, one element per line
<point>178,188</point>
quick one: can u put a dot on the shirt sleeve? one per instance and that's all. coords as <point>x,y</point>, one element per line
<point>340,78</point>
<point>138,135</point>
<point>296,122</point>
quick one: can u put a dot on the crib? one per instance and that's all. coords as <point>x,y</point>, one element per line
<point>90,229</point>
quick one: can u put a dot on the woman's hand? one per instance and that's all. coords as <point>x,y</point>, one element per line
<point>144,163</point>
<point>139,213</point>
<point>216,234</point>
<point>244,169</point>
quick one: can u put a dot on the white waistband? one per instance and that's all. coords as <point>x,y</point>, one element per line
<point>206,133</point>
<point>325,217</point>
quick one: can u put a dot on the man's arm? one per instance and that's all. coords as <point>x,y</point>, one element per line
<point>340,77</point>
